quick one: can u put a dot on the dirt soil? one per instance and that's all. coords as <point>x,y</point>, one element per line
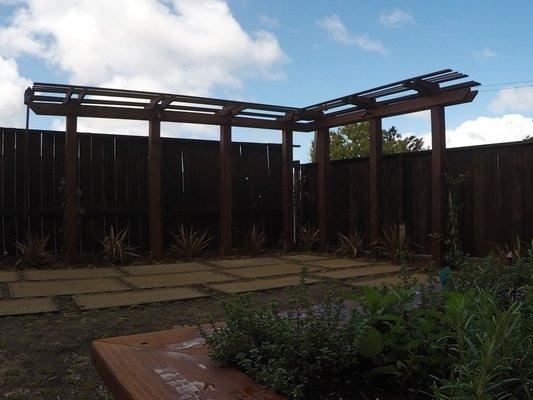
<point>47,357</point>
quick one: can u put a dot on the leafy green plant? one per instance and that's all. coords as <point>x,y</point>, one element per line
<point>32,251</point>
<point>115,248</point>
<point>255,239</point>
<point>350,244</point>
<point>189,242</point>
<point>307,237</point>
<point>396,242</point>
<point>491,349</point>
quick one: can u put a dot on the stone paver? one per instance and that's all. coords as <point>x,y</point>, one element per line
<point>186,278</point>
<point>356,272</point>
<point>106,300</point>
<point>305,257</point>
<point>26,306</point>
<point>77,273</point>
<point>262,284</point>
<point>59,288</point>
<point>158,269</point>
<point>8,276</point>
<point>268,270</point>
<point>339,263</point>
<point>247,262</point>
<point>387,280</point>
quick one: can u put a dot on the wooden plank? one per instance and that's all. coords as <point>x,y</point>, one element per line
<point>9,188</point>
<point>154,187</point>
<point>71,187</point>
<point>323,187</point>
<point>225,190</point>
<point>33,183</point>
<point>438,183</point>
<point>287,189</point>
<point>48,193</point>
<point>375,164</point>
<point>87,244</point>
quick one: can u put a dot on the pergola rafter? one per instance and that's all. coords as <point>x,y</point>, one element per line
<point>423,92</point>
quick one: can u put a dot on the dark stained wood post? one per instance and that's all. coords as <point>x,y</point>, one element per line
<point>375,154</point>
<point>322,150</point>
<point>70,191</point>
<point>225,189</point>
<point>438,183</point>
<point>287,189</point>
<point>155,222</point>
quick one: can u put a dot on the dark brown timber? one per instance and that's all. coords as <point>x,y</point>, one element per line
<point>155,221</point>
<point>323,186</point>
<point>71,189</point>
<point>438,183</point>
<point>375,154</point>
<point>225,190</point>
<point>287,190</point>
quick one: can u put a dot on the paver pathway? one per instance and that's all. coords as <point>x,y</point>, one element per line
<point>113,287</point>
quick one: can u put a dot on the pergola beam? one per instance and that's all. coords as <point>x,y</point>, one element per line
<point>287,189</point>
<point>375,155</point>
<point>322,148</point>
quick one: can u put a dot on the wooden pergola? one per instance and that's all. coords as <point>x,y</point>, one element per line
<point>402,97</point>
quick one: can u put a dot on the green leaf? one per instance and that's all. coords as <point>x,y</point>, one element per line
<point>371,344</point>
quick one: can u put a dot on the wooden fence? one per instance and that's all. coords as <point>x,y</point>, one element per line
<point>496,198</point>
<point>113,187</point>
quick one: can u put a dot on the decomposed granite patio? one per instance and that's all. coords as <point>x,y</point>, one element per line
<point>105,300</point>
<point>356,272</point>
<point>166,268</point>
<point>387,280</point>
<point>262,284</point>
<point>247,262</point>
<point>338,263</point>
<point>268,270</point>
<point>78,273</point>
<point>186,278</point>
<point>26,306</point>
<point>58,288</point>
<point>305,257</point>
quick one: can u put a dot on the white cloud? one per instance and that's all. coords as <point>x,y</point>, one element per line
<point>484,130</point>
<point>396,19</point>
<point>514,99</point>
<point>337,31</point>
<point>12,86</point>
<point>269,21</point>
<point>183,46</point>
<point>484,54</point>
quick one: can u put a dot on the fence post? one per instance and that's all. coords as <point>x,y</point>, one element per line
<point>438,183</point>
<point>155,223</point>
<point>226,187</point>
<point>322,150</point>
<point>71,190</point>
<point>375,154</point>
<point>287,189</point>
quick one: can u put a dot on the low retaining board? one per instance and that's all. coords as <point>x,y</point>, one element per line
<point>169,365</point>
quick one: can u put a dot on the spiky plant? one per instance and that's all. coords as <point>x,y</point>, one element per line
<point>115,248</point>
<point>350,244</point>
<point>189,242</point>
<point>32,251</point>
<point>307,237</point>
<point>255,239</point>
<point>396,242</point>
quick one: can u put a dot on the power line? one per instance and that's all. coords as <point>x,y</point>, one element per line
<point>507,83</point>
<point>504,88</point>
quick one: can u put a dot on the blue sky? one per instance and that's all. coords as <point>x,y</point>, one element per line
<point>282,52</point>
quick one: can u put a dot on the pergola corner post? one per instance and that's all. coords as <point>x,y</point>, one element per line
<point>226,188</point>
<point>155,219</point>
<point>375,155</point>
<point>287,189</point>
<point>71,190</point>
<point>438,184</point>
<point>322,148</point>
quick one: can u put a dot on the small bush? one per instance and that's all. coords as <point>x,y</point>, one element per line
<point>32,251</point>
<point>115,248</point>
<point>189,242</point>
<point>255,239</point>
<point>307,237</point>
<point>351,244</point>
<point>396,242</point>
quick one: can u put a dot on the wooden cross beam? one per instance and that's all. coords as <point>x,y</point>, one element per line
<point>423,87</point>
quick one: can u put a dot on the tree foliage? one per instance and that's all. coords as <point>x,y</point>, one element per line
<point>351,141</point>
